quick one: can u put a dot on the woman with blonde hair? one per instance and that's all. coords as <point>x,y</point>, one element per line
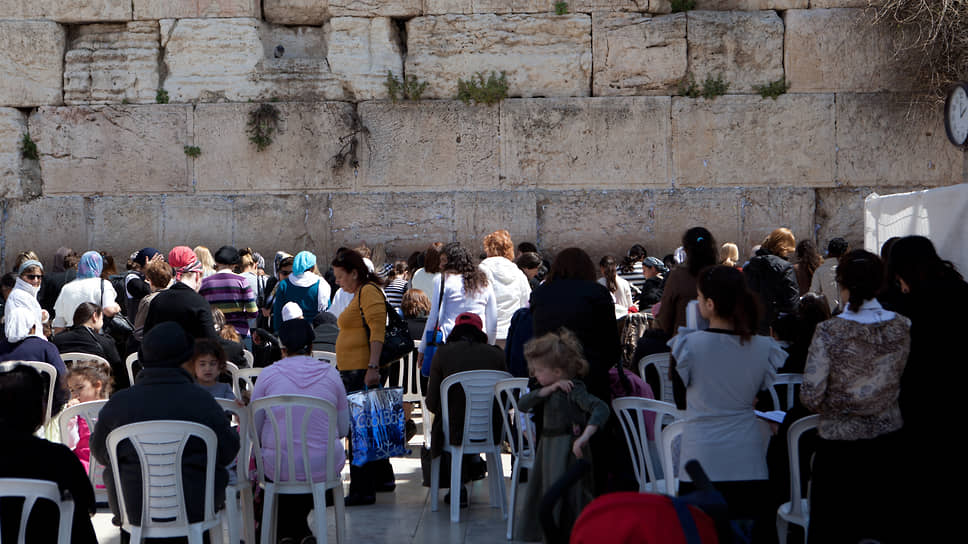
<point>208,261</point>
<point>771,276</point>
<point>510,284</point>
<point>729,254</point>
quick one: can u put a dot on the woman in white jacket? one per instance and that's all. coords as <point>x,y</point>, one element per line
<point>510,284</point>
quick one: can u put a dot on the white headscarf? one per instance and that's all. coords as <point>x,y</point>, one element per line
<point>17,323</point>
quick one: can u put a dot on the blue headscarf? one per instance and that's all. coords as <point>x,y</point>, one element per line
<point>304,261</point>
<point>90,266</point>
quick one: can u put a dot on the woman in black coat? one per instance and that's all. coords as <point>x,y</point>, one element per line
<point>85,337</point>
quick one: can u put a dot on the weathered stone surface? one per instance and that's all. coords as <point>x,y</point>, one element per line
<point>882,141</point>
<point>745,48</point>
<point>32,63</point>
<point>751,141</point>
<point>111,63</point>
<point>751,5</point>
<point>302,71</point>
<point>440,144</point>
<point>300,158</point>
<point>481,213</point>
<point>288,222</point>
<point>296,12</point>
<point>597,142</point>
<point>828,50</point>
<point>197,220</point>
<point>764,209</point>
<point>77,11</point>
<point>375,8</point>
<point>361,52</point>
<point>543,55</point>
<point>13,124</point>
<point>182,9</point>
<point>502,7</point>
<point>593,6</point>
<point>121,225</point>
<point>113,150</point>
<point>42,225</point>
<point>840,212</point>
<point>637,54</point>
<point>820,4</point>
<point>396,219</point>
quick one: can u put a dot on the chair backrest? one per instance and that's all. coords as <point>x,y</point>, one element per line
<point>670,467</point>
<point>247,377</point>
<point>32,491</point>
<point>634,414</point>
<point>791,381</point>
<point>160,445</point>
<point>71,357</point>
<point>289,432</point>
<point>249,358</point>
<point>661,362</point>
<point>129,363</point>
<point>409,378</point>
<point>44,368</point>
<point>520,436</point>
<point>233,371</point>
<point>793,447</point>
<point>327,356</point>
<point>244,418</point>
<point>478,388</point>
<point>88,411</point>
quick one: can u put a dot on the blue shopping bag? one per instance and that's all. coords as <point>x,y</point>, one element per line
<point>433,339</point>
<point>377,424</point>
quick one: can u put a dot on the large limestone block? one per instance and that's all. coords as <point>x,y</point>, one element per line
<point>13,125</point>
<point>397,219</point>
<point>751,141</point>
<point>752,5</point>
<point>67,11</point>
<point>182,9</point>
<point>296,12</point>
<point>820,4</point>
<point>543,55</point>
<point>481,213</point>
<point>881,140</point>
<point>745,48</point>
<point>827,50</point>
<point>300,158</point>
<point>840,212</point>
<point>360,53</point>
<point>375,8</point>
<point>42,225</point>
<point>113,149</point>
<point>764,209</point>
<point>111,63</point>
<point>197,220</point>
<point>638,54</point>
<point>601,142</point>
<point>467,7</point>
<point>429,144</point>
<point>123,224</point>
<point>31,63</point>
<point>268,223</point>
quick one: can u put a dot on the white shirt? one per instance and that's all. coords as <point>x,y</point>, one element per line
<point>457,302</point>
<point>77,292</point>
<point>870,312</point>
<point>341,300</point>
<point>622,296</point>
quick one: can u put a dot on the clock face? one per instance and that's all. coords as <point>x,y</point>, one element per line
<point>956,115</point>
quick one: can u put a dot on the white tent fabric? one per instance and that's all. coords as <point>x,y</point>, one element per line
<point>939,214</point>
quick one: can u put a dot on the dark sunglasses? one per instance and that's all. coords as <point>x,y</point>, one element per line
<point>34,276</point>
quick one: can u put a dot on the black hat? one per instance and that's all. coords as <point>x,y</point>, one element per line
<point>166,345</point>
<point>227,255</point>
<point>296,335</point>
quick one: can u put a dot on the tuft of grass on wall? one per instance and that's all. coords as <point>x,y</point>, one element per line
<point>487,91</point>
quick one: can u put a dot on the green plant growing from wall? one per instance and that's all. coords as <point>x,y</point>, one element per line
<point>161,96</point>
<point>714,86</point>
<point>263,123</point>
<point>561,8</point>
<point>193,151</point>
<point>682,5</point>
<point>408,89</point>
<point>28,148</point>
<point>772,89</point>
<point>483,91</point>
<point>688,87</point>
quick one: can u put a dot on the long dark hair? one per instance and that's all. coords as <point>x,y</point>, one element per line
<point>915,260</point>
<point>700,249</point>
<point>84,312</point>
<point>431,262</point>
<point>349,260</point>
<point>608,270</point>
<point>862,273</point>
<point>808,257</point>
<point>733,300</point>
<point>459,261</point>
<point>635,254</point>
<point>572,264</point>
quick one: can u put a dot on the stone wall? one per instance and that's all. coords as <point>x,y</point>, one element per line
<point>594,147</point>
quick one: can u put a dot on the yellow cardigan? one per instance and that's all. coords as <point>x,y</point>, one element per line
<point>352,344</point>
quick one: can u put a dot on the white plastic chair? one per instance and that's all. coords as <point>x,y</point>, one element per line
<point>160,445</point>
<point>247,377</point>
<point>71,357</point>
<point>88,411</point>
<point>129,363</point>
<point>478,388</point>
<point>409,378</point>
<point>631,412</point>
<point>670,468</point>
<point>32,491</point>
<point>789,380</point>
<point>239,507</point>
<point>43,368</point>
<point>233,371</point>
<point>327,356</point>
<point>289,433</point>
<point>249,358</point>
<point>797,511</point>
<point>521,437</point>
<point>661,362</point>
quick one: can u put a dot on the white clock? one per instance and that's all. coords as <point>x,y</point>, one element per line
<point>956,114</point>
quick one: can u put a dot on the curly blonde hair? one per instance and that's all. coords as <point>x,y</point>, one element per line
<point>780,242</point>
<point>560,350</point>
<point>498,244</point>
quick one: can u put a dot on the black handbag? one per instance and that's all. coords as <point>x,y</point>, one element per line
<point>118,326</point>
<point>397,342</point>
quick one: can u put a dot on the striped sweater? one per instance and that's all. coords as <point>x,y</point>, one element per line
<point>231,294</point>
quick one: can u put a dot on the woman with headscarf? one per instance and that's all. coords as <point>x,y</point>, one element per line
<point>25,342</point>
<point>304,287</point>
<point>88,287</point>
<point>30,275</point>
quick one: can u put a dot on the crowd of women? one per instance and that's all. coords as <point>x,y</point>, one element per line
<point>872,372</point>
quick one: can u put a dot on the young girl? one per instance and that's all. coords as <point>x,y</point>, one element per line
<point>207,364</point>
<point>88,381</point>
<point>571,415</point>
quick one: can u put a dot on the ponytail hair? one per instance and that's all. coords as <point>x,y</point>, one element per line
<point>94,371</point>
<point>733,300</point>
<point>608,270</point>
<point>861,273</point>
<point>700,248</point>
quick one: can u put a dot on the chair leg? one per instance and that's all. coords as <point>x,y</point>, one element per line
<point>195,533</point>
<point>319,514</point>
<point>495,475</point>
<point>515,474</point>
<point>268,516</point>
<point>340,507</point>
<point>782,528</point>
<point>232,517</point>
<point>456,458</point>
<point>434,483</point>
<point>248,515</point>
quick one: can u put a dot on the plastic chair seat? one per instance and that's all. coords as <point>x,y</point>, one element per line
<point>661,362</point>
<point>32,491</point>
